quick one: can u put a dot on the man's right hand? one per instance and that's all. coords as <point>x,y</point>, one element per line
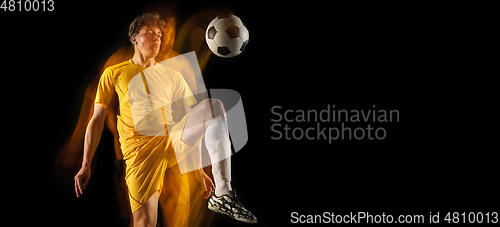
<point>206,183</point>
<point>81,179</point>
<point>92,137</point>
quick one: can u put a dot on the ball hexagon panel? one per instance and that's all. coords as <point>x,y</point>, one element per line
<point>244,33</point>
<point>236,21</point>
<point>234,45</point>
<point>221,25</point>
<point>221,39</point>
<point>226,36</point>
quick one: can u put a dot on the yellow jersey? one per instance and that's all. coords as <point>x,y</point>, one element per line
<point>145,97</point>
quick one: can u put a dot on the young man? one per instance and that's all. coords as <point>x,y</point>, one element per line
<point>150,140</point>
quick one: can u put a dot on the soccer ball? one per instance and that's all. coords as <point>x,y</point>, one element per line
<point>226,36</point>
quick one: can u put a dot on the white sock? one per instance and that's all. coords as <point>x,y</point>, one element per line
<point>219,149</point>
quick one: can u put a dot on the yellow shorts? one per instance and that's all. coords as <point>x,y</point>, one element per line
<point>145,170</point>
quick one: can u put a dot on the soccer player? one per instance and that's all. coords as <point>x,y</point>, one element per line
<point>150,140</point>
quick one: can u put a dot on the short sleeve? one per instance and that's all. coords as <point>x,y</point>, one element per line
<point>105,88</point>
<point>182,95</point>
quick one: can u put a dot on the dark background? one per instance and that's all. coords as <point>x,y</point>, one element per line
<point>301,55</point>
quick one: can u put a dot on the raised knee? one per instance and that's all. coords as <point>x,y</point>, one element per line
<point>218,107</point>
<point>213,106</point>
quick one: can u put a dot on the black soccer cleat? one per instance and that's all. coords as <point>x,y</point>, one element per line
<point>231,206</point>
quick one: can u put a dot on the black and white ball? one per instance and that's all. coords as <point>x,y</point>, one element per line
<point>226,36</point>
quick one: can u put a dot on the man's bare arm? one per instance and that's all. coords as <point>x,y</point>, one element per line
<point>92,138</point>
<point>93,133</point>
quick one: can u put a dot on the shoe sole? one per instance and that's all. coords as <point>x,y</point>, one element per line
<point>231,216</point>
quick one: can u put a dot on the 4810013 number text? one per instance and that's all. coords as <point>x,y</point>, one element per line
<point>27,5</point>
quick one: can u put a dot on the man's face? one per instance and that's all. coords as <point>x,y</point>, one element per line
<point>148,41</point>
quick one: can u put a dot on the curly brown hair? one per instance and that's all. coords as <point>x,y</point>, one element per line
<point>142,20</point>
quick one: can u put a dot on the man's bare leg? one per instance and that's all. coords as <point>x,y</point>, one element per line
<point>209,118</point>
<point>147,215</point>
